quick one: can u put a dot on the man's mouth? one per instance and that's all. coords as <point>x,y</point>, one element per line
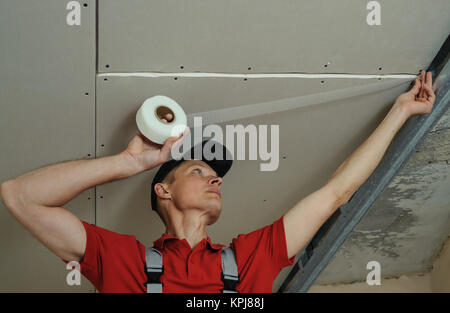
<point>215,191</point>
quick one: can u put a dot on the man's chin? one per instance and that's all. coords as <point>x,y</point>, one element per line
<point>212,220</point>
<point>213,216</point>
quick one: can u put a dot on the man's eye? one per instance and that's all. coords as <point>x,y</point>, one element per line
<point>197,170</point>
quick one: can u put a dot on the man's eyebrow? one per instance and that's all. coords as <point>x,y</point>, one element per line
<point>202,165</point>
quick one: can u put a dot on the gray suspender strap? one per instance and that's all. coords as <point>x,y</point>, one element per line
<point>154,269</point>
<point>230,276</point>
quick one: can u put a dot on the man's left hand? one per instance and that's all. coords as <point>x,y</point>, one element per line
<point>421,97</point>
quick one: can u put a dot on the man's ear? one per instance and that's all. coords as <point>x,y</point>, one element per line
<point>162,191</point>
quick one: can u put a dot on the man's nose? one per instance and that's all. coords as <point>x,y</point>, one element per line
<point>215,180</point>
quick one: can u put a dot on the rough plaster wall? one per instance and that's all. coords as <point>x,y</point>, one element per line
<point>407,225</point>
<point>440,275</point>
<point>436,280</point>
<point>405,283</point>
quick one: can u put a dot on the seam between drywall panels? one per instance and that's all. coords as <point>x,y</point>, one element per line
<point>95,107</point>
<point>95,103</point>
<point>96,35</point>
<point>271,75</point>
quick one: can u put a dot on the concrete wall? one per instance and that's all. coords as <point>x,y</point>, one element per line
<point>436,280</point>
<point>440,275</point>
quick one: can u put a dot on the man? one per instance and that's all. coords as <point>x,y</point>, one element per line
<point>187,197</point>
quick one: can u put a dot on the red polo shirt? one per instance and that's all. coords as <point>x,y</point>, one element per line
<point>115,262</point>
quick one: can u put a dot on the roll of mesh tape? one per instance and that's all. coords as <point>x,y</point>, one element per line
<point>149,119</point>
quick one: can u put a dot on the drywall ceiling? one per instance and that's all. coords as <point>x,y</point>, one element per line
<point>255,196</point>
<point>269,36</point>
<point>46,69</point>
<point>49,113</point>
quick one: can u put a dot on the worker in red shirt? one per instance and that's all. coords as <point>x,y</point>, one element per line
<point>187,197</point>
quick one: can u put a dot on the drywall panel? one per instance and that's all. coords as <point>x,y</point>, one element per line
<point>313,141</point>
<point>269,36</point>
<point>47,115</point>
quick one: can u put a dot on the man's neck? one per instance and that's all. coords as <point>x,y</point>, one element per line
<point>187,225</point>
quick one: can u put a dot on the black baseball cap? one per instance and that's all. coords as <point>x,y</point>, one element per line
<point>219,165</point>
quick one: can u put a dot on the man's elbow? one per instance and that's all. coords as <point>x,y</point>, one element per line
<point>345,197</point>
<point>340,197</point>
<point>9,194</point>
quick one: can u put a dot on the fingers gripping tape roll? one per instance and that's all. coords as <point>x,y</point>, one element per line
<point>151,119</point>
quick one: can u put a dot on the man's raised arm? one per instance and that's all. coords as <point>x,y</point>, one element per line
<point>307,216</point>
<point>36,198</point>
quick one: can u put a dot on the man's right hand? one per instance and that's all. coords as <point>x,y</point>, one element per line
<point>145,154</point>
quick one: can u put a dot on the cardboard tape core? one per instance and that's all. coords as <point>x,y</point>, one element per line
<point>161,112</point>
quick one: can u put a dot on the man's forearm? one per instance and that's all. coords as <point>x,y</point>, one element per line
<point>355,170</point>
<point>57,184</point>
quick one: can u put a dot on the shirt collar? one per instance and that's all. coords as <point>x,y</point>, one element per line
<point>159,243</point>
